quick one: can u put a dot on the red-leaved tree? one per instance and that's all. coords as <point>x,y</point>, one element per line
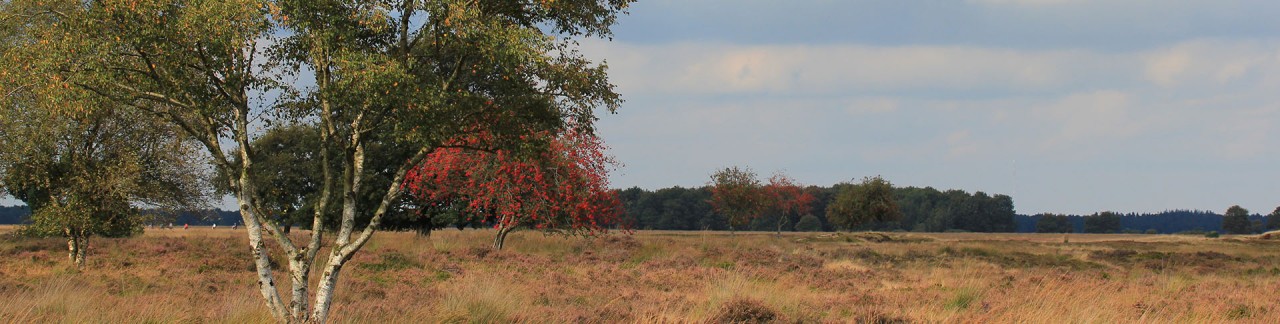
<point>563,188</point>
<point>786,198</point>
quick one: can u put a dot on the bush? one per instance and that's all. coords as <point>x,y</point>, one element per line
<point>740,310</point>
<point>1153,231</point>
<point>809,223</point>
<point>1211,234</point>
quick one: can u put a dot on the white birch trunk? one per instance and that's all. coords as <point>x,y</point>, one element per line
<point>245,198</point>
<point>82,251</point>
<point>342,247</point>
<point>262,261</point>
<point>77,247</point>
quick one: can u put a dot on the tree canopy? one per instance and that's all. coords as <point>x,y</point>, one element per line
<point>869,201</point>
<point>1236,220</point>
<point>564,189</point>
<point>737,194</point>
<point>785,199</point>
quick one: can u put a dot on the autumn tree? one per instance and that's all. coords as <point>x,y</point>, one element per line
<point>562,189</point>
<point>871,200</point>
<point>786,198</point>
<point>1236,220</point>
<point>738,195</point>
<point>413,74</point>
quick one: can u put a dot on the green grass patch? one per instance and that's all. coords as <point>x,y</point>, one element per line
<point>392,261</point>
<point>962,300</point>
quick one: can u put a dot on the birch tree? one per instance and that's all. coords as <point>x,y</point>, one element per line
<point>413,73</point>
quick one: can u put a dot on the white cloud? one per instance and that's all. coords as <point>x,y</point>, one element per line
<point>952,116</point>
<point>852,69</point>
<point>831,69</point>
<point>1088,117</point>
<point>1164,68</point>
<point>1212,63</point>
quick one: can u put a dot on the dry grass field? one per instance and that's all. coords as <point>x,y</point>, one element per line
<point>203,275</point>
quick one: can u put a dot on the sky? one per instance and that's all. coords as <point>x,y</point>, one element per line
<point>1068,106</point>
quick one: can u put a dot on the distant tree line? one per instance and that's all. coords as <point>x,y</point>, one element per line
<point>14,214</point>
<point>21,214</point>
<point>1166,222</point>
<point>923,210</point>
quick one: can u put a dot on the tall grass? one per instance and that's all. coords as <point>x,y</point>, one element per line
<point>204,275</point>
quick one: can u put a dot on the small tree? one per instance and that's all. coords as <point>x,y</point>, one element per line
<point>737,194</point>
<point>83,173</point>
<point>869,201</point>
<point>1236,220</point>
<point>563,189</point>
<point>809,223</point>
<point>786,198</point>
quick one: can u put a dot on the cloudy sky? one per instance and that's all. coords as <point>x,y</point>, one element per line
<point>1068,106</point>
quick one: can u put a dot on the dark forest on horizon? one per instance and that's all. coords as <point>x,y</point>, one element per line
<point>924,210</point>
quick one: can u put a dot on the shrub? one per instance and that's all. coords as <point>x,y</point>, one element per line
<point>1152,231</point>
<point>741,310</point>
<point>809,223</point>
<point>1211,234</point>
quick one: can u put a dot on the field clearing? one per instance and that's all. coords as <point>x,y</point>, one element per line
<point>204,275</point>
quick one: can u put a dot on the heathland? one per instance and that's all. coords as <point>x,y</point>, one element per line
<point>205,275</point>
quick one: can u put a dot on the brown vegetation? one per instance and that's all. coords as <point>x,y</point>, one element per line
<point>206,275</point>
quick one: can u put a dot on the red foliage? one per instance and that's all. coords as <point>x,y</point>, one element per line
<point>786,196</point>
<point>564,188</point>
